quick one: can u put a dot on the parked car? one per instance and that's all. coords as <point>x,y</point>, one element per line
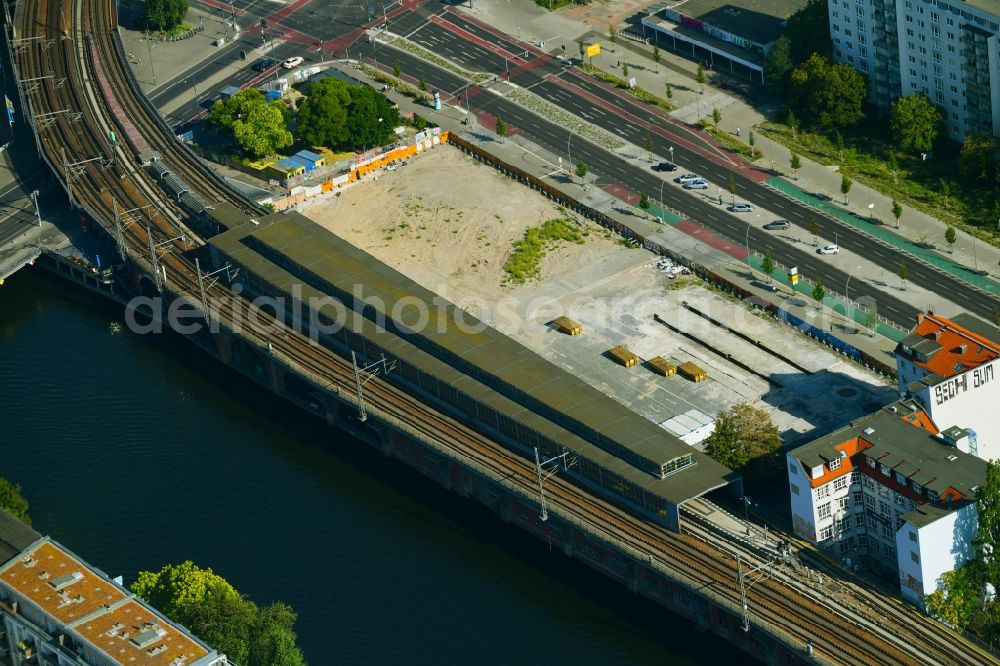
<point>699,184</point>
<point>293,62</point>
<point>740,208</point>
<point>264,64</point>
<point>828,249</point>
<point>687,178</point>
<point>665,166</point>
<point>777,224</point>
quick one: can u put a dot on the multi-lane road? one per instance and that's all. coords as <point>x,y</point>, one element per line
<point>474,47</point>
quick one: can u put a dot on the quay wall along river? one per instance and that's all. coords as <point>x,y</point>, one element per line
<point>136,451</point>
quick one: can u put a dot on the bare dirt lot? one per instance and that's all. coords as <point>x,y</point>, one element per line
<point>449,223</point>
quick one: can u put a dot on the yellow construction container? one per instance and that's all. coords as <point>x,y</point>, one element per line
<point>692,371</point>
<point>567,326</point>
<point>623,356</point>
<point>662,366</point>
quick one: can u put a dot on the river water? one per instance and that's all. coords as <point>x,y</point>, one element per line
<point>138,451</point>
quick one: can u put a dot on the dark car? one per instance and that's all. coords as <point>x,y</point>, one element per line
<point>665,166</point>
<point>777,224</point>
<point>264,64</point>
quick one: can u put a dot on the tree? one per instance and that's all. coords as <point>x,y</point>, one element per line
<point>950,237</point>
<point>829,94</point>
<point>397,70</point>
<point>700,77</point>
<point>945,189</point>
<point>644,201</point>
<point>165,14</point>
<point>897,211</point>
<point>501,128</point>
<point>903,272</point>
<point>649,145</point>
<point>752,141</point>
<point>838,143</point>
<point>625,70</point>
<point>778,65</point>
<point>959,597</point>
<point>322,117</point>
<point>422,84</point>
<point>669,91</point>
<point>814,230</point>
<point>808,31</point>
<point>583,49</point>
<point>210,607</point>
<point>581,169</point>
<point>977,158</point>
<point>796,163</point>
<point>656,57</point>
<point>732,187</point>
<point>371,118</point>
<point>767,264</point>
<point>716,117</point>
<point>792,121</point>
<point>258,126</point>
<point>742,433</point>
<point>871,317</point>
<point>13,502</point>
<point>819,291</point>
<point>845,186</point>
<point>612,37</point>
<point>915,123</point>
<point>986,545</point>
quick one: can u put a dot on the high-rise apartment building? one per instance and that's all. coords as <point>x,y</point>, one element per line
<point>949,50</point>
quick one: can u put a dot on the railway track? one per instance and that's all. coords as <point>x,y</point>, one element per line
<point>699,559</point>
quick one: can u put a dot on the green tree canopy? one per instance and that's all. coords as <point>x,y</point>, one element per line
<point>742,433</point>
<point>371,117</point>
<point>210,607</point>
<point>977,161</point>
<point>322,117</point>
<point>13,502</point>
<point>819,291</point>
<point>778,65</point>
<point>829,94</point>
<point>165,14</point>
<point>808,32</point>
<point>915,123</point>
<point>258,126</point>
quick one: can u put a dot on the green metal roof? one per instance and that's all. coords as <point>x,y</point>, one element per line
<point>290,249</point>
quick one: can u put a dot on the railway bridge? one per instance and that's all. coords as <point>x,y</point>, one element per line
<point>184,244</point>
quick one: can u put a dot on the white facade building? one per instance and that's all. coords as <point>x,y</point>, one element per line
<point>945,49</point>
<point>952,368</point>
<point>56,610</point>
<point>889,493</point>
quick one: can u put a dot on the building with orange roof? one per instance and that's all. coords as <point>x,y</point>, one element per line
<point>952,368</point>
<point>58,610</point>
<point>892,493</point>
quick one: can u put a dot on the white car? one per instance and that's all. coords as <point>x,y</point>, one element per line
<point>293,62</point>
<point>741,208</point>
<point>699,184</point>
<point>828,249</point>
<point>687,178</point>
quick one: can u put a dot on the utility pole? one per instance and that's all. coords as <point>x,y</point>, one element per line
<point>370,370</point>
<point>149,45</point>
<point>541,477</point>
<point>766,568</point>
<point>154,263</point>
<point>38,213</point>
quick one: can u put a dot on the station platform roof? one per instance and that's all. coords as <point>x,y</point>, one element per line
<point>290,249</point>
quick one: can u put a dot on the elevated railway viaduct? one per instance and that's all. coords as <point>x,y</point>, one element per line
<point>85,96</point>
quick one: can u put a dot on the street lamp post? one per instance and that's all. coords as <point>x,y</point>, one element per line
<point>569,155</point>
<point>671,149</point>
<point>195,84</point>
<point>660,198</point>
<point>747,242</point>
<point>746,513</point>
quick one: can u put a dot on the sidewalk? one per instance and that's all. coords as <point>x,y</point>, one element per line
<point>816,184</point>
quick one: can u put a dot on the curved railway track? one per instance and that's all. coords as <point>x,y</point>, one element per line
<point>698,559</point>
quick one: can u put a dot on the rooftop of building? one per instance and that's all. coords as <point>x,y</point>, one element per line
<point>95,611</point>
<point>946,348</point>
<point>289,249</point>
<point>903,438</point>
<point>991,7</point>
<point>131,633</point>
<point>59,584</point>
<point>760,21</point>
